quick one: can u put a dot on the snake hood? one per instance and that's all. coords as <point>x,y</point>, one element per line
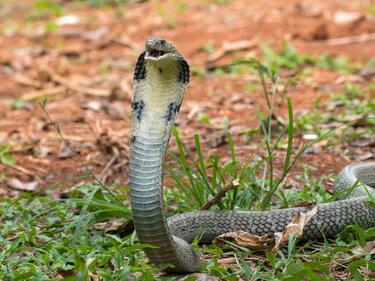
<point>160,79</point>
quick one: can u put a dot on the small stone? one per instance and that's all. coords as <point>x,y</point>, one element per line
<point>92,105</point>
<point>342,17</point>
<point>313,150</point>
<point>67,20</point>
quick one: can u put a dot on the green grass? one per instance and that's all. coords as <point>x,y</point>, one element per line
<point>371,10</point>
<point>45,239</point>
<point>45,9</point>
<point>6,155</point>
<point>288,58</point>
<point>348,107</point>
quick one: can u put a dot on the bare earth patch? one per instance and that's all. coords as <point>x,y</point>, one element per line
<point>95,57</point>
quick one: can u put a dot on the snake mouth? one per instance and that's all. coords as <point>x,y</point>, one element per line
<point>154,54</point>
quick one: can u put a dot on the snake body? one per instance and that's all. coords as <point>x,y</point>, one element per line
<point>160,79</point>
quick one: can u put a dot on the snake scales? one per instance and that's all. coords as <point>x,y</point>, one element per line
<point>160,78</point>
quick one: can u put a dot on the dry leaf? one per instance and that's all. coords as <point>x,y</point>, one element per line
<point>96,34</point>
<point>67,83</point>
<point>217,138</point>
<point>64,152</point>
<point>365,156</point>
<point>363,142</point>
<point>227,261</point>
<point>112,225</point>
<point>355,254</point>
<point>295,227</point>
<point>264,242</point>
<point>23,186</point>
<point>115,109</point>
<point>368,248</point>
<point>246,239</point>
<point>367,72</point>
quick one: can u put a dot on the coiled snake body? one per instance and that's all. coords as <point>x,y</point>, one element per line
<point>160,79</point>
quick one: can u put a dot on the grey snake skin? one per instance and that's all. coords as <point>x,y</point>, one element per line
<point>160,78</point>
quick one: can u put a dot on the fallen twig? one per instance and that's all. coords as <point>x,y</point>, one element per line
<point>104,174</point>
<point>74,87</point>
<point>24,80</point>
<point>231,47</point>
<point>43,93</point>
<point>21,169</point>
<point>220,194</point>
<point>348,40</point>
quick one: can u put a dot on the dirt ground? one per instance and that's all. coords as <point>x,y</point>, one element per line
<point>84,66</point>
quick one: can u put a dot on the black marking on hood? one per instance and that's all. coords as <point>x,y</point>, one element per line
<point>171,111</point>
<point>177,108</point>
<point>184,74</point>
<point>140,68</point>
<point>138,107</point>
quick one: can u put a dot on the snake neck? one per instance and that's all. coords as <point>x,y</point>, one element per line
<point>156,101</point>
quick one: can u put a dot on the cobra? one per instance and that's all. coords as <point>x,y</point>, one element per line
<point>160,79</point>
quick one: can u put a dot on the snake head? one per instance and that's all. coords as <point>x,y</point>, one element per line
<point>158,49</point>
